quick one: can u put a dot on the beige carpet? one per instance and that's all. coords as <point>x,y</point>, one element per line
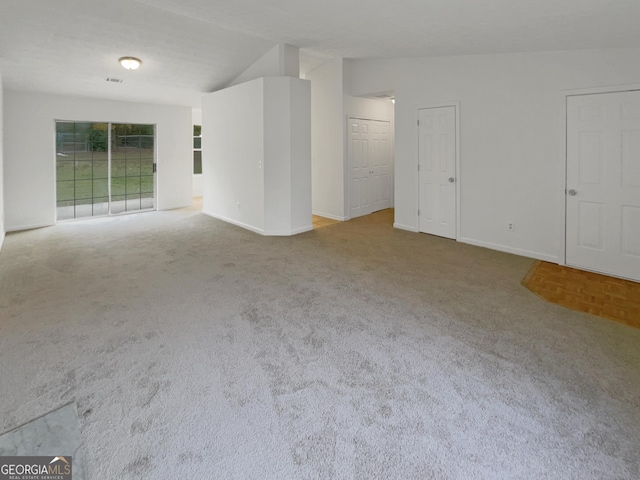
<point>196,349</point>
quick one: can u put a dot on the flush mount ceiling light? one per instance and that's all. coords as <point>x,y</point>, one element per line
<point>130,63</point>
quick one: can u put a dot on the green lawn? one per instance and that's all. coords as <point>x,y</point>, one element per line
<point>83,177</point>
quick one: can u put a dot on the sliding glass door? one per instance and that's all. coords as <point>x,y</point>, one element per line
<point>82,170</point>
<point>104,169</point>
<point>132,168</point>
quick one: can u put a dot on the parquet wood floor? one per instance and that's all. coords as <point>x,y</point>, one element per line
<point>319,222</point>
<point>608,297</point>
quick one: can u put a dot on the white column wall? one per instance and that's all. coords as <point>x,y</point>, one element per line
<point>277,156</point>
<point>300,95</point>
<point>256,155</point>
<point>30,150</point>
<point>287,156</point>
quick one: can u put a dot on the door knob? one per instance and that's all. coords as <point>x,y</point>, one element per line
<point>451,179</point>
<point>572,192</point>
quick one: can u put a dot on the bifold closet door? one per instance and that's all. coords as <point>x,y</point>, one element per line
<point>370,166</point>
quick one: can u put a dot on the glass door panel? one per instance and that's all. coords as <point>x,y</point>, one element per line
<point>132,176</point>
<point>95,176</point>
<point>81,157</point>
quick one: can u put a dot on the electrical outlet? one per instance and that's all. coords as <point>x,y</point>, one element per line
<point>511,226</point>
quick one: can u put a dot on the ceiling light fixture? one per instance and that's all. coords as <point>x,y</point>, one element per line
<point>130,63</point>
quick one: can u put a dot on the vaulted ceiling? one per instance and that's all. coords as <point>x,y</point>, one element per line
<point>190,47</point>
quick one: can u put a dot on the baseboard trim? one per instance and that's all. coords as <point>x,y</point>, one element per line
<point>28,227</point>
<point>296,231</point>
<point>234,222</point>
<point>328,215</point>
<point>408,228</point>
<point>164,209</point>
<point>287,233</point>
<point>506,249</point>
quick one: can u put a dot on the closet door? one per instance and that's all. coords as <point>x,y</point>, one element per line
<point>603,183</point>
<point>370,166</point>
<point>437,171</point>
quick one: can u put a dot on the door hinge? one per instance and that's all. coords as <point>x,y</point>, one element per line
<point>418,122</point>
<point>155,168</point>
<point>418,212</point>
<point>418,167</point>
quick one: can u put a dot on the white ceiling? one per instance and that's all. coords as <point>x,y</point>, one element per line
<point>189,47</point>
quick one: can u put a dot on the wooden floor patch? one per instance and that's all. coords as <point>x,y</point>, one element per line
<point>319,222</point>
<point>607,297</point>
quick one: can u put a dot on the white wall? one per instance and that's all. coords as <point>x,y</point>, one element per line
<point>511,134</point>
<point>330,110</point>
<point>30,150</point>
<point>281,60</point>
<point>196,116</point>
<point>327,140</point>
<point>233,153</point>
<point>287,136</point>
<point>300,155</point>
<point>197,185</point>
<point>2,215</point>
<point>257,157</point>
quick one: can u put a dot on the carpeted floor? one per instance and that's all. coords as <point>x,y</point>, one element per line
<point>196,349</point>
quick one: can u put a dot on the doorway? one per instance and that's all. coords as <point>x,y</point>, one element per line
<point>370,166</point>
<point>602,205</point>
<point>437,167</point>
<point>104,169</point>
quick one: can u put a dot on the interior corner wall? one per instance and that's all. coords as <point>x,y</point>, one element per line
<point>287,161</point>
<point>327,140</point>
<point>511,135</point>
<point>29,158</point>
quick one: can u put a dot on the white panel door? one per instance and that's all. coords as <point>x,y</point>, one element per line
<point>370,170</point>
<point>359,154</point>
<point>380,166</point>
<point>437,171</point>
<point>603,183</point>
